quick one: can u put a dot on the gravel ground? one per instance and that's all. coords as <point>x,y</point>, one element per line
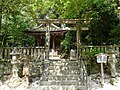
<point>96,85</point>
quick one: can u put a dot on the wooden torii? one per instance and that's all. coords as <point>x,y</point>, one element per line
<point>77,26</point>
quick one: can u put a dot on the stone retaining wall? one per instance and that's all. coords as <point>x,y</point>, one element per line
<point>35,69</point>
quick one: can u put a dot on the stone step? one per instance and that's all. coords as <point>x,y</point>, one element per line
<point>62,87</point>
<point>64,77</point>
<point>57,82</point>
<point>62,60</point>
<point>63,68</point>
<point>73,63</point>
<point>64,72</point>
<point>63,65</point>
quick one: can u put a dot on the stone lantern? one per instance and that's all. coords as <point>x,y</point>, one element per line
<point>15,55</point>
<point>15,80</point>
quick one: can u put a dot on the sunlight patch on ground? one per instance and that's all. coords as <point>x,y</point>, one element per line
<point>108,86</point>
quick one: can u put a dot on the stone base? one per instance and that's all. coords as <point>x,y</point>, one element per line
<point>14,83</point>
<point>57,87</point>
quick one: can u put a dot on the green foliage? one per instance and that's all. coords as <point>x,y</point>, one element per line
<point>92,53</point>
<point>115,35</point>
<point>104,19</point>
<point>68,41</point>
<point>15,20</point>
<point>89,58</point>
<point>13,25</point>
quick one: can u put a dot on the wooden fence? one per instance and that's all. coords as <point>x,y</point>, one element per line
<point>36,51</point>
<point>103,49</point>
<point>32,51</point>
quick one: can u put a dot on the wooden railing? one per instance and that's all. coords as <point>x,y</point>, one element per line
<point>103,49</point>
<point>32,51</point>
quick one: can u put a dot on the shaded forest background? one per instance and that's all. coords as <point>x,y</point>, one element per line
<point>19,15</point>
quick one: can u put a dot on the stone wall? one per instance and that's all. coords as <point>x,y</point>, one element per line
<point>36,68</point>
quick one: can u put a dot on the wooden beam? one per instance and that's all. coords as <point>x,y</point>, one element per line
<point>59,21</point>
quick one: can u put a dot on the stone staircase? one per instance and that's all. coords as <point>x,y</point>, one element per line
<point>64,74</point>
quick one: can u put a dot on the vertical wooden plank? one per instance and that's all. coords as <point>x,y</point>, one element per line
<point>24,50</point>
<point>32,52</point>
<point>105,49</point>
<point>7,49</point>
<point>9,53</point>
<point>27,50</point>
<point>37,55</point>
<point>39,52</point>
<point>5,53</point>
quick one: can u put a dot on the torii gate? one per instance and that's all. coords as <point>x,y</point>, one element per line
<point>77,26</point>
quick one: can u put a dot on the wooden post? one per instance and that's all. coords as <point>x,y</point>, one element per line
<point>102,75</point>
<point>78,32</point>
<point>47,41</point>
<point>102,58</point>
<point>53,43</point>
<point>47,49</point>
